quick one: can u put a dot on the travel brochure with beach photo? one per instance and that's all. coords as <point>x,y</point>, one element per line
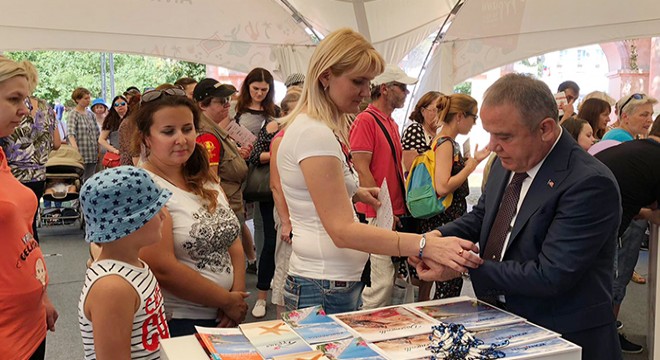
<point>314,326</point>
<point>472,314</point>
<point>309,355</point>
<point>355,348</point>
<point>274,338</point>
<point>387,323</point>
<point>226,344</point>
<point>545,348</point>
<point>405,348</point>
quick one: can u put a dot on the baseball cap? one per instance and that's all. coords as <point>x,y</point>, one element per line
<point>393,73</point>
<point>118,201</point>
<point>98,101</point>
<point>294,79</point>
<point>212,87</point>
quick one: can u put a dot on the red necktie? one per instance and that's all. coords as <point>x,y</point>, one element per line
<point>502,223</point>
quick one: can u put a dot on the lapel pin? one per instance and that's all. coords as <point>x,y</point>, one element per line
<point>551,183</point>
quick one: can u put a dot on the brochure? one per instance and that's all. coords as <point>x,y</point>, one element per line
<point>314,326</point>
<point>274,338</point>
<point>226,344</point>
<point>240,134</point>
<point>386,323</point>
<point>308,355</point>
<point>553,346</point>
<point>517,334</point>
<point>473,314</point>
<point>410,347</point>
<point>355,348</point>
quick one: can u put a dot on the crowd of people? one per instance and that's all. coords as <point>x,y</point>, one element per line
<point>554,236</point>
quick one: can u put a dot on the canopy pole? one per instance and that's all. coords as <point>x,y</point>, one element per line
<point>297,16</point>
<point>437,39</point>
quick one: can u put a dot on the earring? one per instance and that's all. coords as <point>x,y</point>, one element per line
<point>326,87</point>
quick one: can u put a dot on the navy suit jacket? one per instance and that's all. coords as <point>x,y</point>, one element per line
<point>557,269</point>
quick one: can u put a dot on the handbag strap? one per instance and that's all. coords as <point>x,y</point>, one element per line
<point>389,140</point>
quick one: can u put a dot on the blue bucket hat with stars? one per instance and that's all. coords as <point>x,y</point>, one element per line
<point>118,201</point>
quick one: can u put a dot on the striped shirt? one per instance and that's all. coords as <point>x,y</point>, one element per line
<point>149,323</point>
<point>85,130</point>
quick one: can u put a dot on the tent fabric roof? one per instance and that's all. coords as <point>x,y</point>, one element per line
<point>243,34</point>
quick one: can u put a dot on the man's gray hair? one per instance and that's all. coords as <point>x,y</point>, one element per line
<point>531,97</point>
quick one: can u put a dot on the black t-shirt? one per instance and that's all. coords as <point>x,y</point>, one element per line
<point>636,166</point>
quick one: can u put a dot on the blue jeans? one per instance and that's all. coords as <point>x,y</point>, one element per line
<point>335,296</point>
<point>183,327</point>
<point>627,252</point>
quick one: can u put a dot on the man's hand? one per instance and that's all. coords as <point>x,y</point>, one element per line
<point>452,252</point>
<point>433,272</point>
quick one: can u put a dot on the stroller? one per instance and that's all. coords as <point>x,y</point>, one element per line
<point>64,171</point>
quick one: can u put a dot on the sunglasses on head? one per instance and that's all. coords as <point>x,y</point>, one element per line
<point>636,96</point>
<point>118,104</point>
<point>28,103</point>
<point>152,95</point>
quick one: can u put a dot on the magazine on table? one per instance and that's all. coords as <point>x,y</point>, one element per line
<point>386,323</point>
<point>226,344</point>
<point>473,314</point>
<point>274,338</point>
<point>517,334</point>
<point>405,348</point>
<point>355,348</point>
<point>314,326</point>
<point>548,347</point>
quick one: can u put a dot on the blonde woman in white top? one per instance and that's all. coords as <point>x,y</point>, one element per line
<point>330,246</point>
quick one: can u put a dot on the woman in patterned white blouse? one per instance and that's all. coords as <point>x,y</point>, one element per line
<point>418,135</point>
<point>199,263</point>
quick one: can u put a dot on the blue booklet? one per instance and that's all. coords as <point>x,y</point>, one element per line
<point>553,346</point>
<point>516,334</point>
<point>356,348</point>
<point>314,326</point>
<point>472,314</point>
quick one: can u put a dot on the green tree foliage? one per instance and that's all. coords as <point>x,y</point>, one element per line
<point>463,88</point>
<point>62,71</point>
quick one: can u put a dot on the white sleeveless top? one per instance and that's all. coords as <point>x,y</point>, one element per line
<point>149,324</point>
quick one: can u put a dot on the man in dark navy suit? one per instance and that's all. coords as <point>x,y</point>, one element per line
<point>546,223</point>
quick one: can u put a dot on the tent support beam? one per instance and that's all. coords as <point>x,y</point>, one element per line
<point>361,18</point>
<point>297,16</point>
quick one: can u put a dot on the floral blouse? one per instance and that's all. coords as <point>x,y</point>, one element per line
<point>28,147</point>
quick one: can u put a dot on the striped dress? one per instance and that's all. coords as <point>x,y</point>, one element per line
<point>149,323</point>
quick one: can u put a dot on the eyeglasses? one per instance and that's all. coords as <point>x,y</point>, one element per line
<point>636,96</point>
<point>123,103</point>
<point>28,103</point>
<point>221,100</point>
<point>152,95</point>
<point>431,109</point>
<point>471,114</point>
<point>402,87</point>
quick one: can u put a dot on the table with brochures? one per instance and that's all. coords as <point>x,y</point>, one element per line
<point>398,332</point>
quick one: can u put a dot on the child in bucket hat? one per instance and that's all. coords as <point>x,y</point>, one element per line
<point>122,209</point>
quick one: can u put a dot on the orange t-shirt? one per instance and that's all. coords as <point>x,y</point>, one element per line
<point>23,276</point>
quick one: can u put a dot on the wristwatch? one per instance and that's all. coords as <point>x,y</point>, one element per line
<point>422,245</point>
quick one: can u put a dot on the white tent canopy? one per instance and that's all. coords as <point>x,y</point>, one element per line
<point>243,34</point>
<point>235,34</point>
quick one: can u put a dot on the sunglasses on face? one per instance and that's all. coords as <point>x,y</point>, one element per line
<point>633,96</point>
<point>401,86</point>
<point>123,103</point>
<point>221,100</point>
<point>152,95</point>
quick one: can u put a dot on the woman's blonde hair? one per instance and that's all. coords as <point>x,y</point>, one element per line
<point>450,105</point>
<point>340,52</point>
<point>10,68</point>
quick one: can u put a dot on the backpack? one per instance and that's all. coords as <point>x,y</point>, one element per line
<point>421,198</point>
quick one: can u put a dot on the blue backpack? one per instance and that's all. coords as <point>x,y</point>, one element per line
<point>422,200</point>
